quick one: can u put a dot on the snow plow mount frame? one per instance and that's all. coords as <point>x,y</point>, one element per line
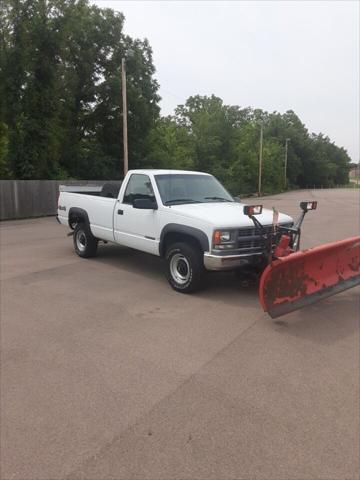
<point>294,232</point>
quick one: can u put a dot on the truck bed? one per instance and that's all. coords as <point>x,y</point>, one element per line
<point>82,189</point>
<point>99,210</point>
<point>108,189</point>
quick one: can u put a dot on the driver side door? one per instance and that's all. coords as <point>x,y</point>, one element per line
<point>134,227</point>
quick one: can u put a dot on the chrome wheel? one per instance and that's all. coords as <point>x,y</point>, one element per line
<point>81,240</point>
<point>180,268</point>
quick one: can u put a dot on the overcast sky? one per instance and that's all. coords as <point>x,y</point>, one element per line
<point>274,55</point>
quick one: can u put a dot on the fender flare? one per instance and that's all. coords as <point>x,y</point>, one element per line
<point>193,232</point>
<point>78,213</point>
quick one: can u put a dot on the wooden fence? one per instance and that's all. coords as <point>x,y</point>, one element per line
<point>32,198</point>
<point>37,198</point>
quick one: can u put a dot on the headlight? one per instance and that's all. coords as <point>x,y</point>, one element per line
<point>223,239</point>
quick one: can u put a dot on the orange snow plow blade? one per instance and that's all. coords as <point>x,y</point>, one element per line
<point>305,277</point>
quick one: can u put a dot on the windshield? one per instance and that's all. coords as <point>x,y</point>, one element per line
<point>177,189</point>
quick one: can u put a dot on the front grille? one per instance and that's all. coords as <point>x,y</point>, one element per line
<point>249,240</point>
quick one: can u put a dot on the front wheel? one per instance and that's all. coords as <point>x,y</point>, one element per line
<point>85,244</point>
<point>184,267</point>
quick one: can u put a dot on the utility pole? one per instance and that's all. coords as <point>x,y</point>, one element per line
<point>260,159</point>
<point>287,140</point>
<point>124,112</point>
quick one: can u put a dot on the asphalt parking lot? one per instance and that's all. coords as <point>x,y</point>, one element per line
<point>106,373</point>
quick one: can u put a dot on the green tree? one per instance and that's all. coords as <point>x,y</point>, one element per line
<point>61,110</point>
<point>5,171</point>
<point>213,129</point>
<point>170,146</point>
<point>61,91</point>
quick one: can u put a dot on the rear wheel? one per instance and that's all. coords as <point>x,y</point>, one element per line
<point>184,267</point>
<point>85,244</point>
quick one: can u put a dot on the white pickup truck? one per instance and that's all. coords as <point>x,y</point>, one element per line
<point>186,217</point>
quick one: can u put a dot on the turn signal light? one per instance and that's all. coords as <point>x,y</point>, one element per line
<point>217,237</point>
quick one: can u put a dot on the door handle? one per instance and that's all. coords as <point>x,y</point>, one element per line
<point>120,212</point>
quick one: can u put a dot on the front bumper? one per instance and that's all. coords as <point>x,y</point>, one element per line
<point>228,262</point>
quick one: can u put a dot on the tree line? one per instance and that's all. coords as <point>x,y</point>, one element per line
<point>61,115</point>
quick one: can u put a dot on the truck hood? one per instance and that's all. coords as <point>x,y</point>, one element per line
<point>225,215</point>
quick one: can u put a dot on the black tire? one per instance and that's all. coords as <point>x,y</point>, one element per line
<point>184,267</point>
<point>85,244</point>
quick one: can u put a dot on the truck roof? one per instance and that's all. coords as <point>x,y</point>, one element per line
<point>155,171</point>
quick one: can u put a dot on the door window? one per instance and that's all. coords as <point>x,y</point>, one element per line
<point>139,186</point>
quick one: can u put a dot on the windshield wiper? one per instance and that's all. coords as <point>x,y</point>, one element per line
<point>181,200</point>
<point>218,198</point>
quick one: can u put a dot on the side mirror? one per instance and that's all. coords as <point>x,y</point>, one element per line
<point>145,204</point>
<point>251,210</point>
<point>306,206</point>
